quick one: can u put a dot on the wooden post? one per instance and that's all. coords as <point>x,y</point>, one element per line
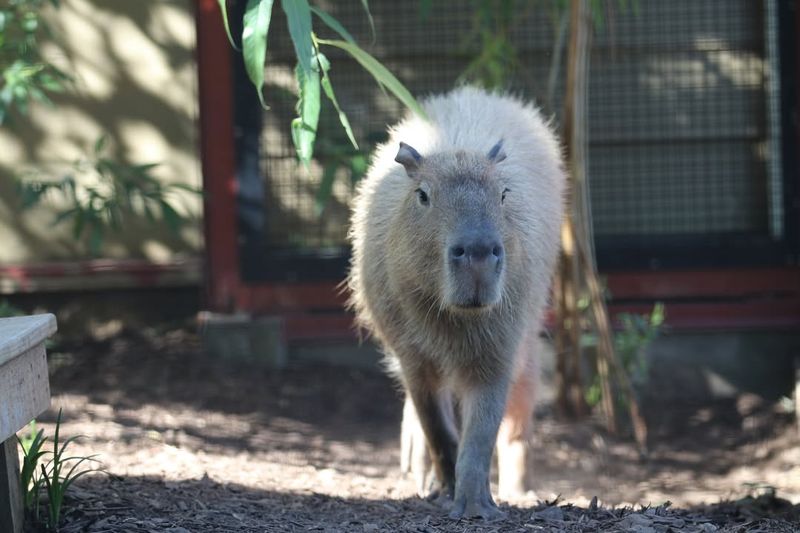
<point>11,512</point>
<point>797,391</point>
<point>577,268</point>
<point>570,393</point>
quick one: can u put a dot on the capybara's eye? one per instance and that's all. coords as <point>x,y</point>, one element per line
<point>422,196</point>
<point>503,196</point>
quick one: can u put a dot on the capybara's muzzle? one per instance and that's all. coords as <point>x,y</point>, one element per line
<point>475,264</point>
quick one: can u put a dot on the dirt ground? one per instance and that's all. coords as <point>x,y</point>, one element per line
<point>191,444</point>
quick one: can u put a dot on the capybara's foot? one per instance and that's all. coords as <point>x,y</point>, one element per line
<point>440,494</point>
<point>474,500</point>
<point>481,507</point>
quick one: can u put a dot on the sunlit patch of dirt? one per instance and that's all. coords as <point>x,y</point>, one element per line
<point>201,445</point>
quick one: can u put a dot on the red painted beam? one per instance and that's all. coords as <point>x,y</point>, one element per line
<point>700,284</point>
<point>98,274</point>
<point>695,301</point>
<point>680,317</point>
<point>218,159</point>
<point>294,297</point>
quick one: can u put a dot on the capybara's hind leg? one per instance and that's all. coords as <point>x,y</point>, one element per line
<point>414,457</point>
<point>513,439</point>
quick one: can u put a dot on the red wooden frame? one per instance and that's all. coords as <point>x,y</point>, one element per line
<point>743,298</point>
<point>98,273</point>
<point>225,290</point>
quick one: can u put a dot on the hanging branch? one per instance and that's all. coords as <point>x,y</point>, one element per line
<point>577,272</point>
<point>570,398</point>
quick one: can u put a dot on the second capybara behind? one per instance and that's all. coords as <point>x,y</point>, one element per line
<point>455,233</point>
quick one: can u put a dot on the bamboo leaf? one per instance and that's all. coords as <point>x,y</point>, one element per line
<point>358,167</point>
<point>425,9</point>
<point>78,223</point>
<point>369,17</point>
<point>298,15</point>
<point>304,127</point>
<point>186,187</point>
<point>325,187</point>
<point>63,215</point>
<point>171,217</point>
<point>325,66</point>
<point>224,9</point>
<point>100,144</point>
<point>257,16</point>
<point>380,73</point>
<point>333,24</point>
<point>96,237</point>
<point>145,168</point>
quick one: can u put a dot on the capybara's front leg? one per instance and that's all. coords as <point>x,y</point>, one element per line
<point>483,407</point>
<point>437,426</point>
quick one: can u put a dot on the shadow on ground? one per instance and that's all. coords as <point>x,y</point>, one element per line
<point>146,504</point>
<point>207,445</point>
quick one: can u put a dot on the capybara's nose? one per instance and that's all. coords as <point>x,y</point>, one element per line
<point>483,252</point>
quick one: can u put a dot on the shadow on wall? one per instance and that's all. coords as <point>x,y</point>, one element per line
<point>134,79</point>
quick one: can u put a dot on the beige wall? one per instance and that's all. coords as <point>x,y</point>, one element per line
<point>135,79</point>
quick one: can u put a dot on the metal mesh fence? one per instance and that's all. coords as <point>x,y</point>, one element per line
<point>678,106</point>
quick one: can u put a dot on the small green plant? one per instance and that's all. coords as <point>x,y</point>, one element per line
<point>100,194</point>
<point>24,75</point>
<point>51,479</point>
<point>30,480</point>
<point>7,309</point>
<point>637,332</point>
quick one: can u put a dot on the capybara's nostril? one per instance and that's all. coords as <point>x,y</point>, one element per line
<point>457,252</point>
<point>497,251</point>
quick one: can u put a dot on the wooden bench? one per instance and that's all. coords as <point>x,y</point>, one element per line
<point>24,394</point>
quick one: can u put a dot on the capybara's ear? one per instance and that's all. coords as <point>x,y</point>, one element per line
<point>496,154</point>
<point>409,158</point>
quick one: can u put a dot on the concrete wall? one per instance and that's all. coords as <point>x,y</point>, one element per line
<point>135,77</point>
<point>683,368</point>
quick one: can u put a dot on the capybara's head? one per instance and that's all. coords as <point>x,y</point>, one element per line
<point>454,209</point>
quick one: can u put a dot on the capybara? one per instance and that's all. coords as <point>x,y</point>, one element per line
<point>455,232</point>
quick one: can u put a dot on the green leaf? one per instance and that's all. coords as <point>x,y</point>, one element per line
<point>425,9</point>
<point>186,187</point>
<point>257,16</point>
<point>325,187</point>
<point>596,12</point>
<point>100,144</point>
<point>333,24</point>
<point>78,222</point>
<point>171,217</point>
<point>380,73</point>
<point>63,215</point>
<point>304,127</point>
<point>325,66</point>
<point>96,237</point>
<point>298,15</point>
<point>358,167</point>
<point>369,17</point>
<point>224,10</point>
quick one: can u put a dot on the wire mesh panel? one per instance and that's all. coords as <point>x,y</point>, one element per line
<point>677,125</point>
<point>679,137</point>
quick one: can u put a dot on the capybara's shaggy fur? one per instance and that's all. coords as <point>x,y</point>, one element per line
<point>455,232</point>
